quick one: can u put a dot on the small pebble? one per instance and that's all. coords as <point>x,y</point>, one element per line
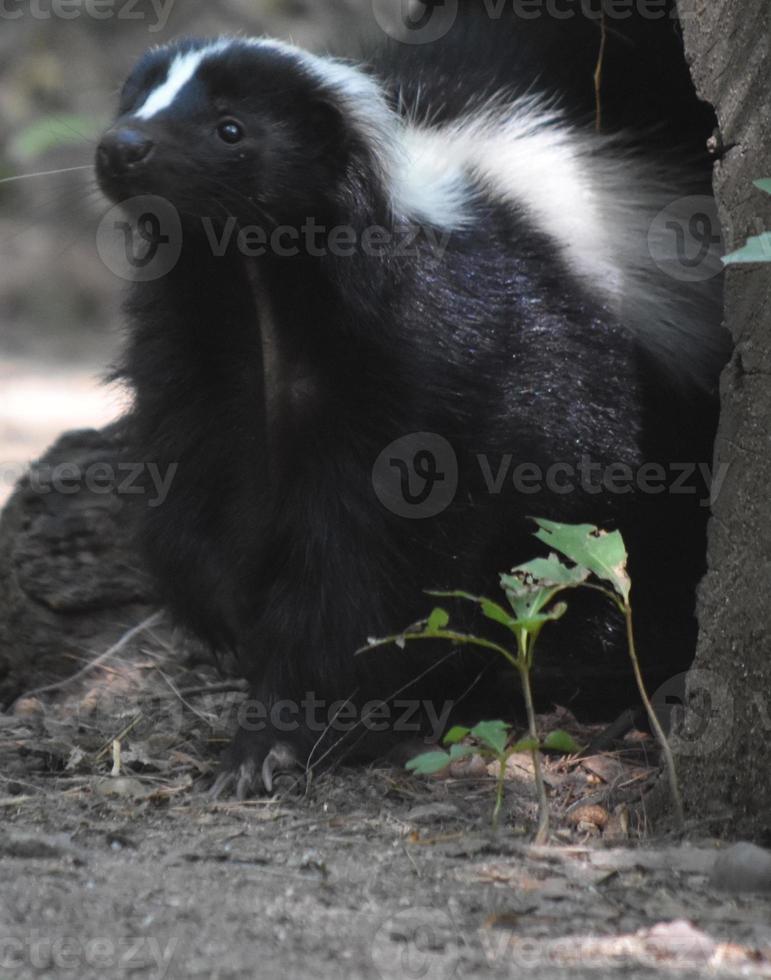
<point>597,816</point>
<point>122,787</point>
<point>28,708</point>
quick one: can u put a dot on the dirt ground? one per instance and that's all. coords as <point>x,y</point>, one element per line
<point>115,862</point>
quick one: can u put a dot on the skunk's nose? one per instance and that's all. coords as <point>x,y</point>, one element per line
<point>122,148</point>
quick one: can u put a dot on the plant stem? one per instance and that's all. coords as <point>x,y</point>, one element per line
<point>542,834</point>
<point>654,721</point>
<point>499,791</point>
<point>462,639</point>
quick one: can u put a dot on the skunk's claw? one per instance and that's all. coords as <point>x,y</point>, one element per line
<point>246,772</point>
<point>281,758</point>
<point>223,785</point>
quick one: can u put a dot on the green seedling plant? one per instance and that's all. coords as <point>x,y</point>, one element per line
<point>605,556</point>
<point>599,560</point>
<point>490,740</point>
<point>531,591</point>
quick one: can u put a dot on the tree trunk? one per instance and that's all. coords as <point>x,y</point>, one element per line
<point>70,582</point>
<point>723,739</point>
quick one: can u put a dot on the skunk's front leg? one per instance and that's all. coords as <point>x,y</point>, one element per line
<point>293,720</point>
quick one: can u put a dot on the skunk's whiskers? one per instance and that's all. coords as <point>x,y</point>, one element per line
<point>44,173</point>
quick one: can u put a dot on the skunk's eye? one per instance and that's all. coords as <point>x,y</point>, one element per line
<point>230,131</point>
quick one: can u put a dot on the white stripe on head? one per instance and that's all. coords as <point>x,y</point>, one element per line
<point>181,70</point>
<point>423,176</point>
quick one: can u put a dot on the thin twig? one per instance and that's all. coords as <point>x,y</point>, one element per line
<point>654,722</point>
<point>363,721</point>
<point>542,834</point>
<point>178,694</point>
<point>114,650</point>
<point>108,745</point>
<point>224,687</point>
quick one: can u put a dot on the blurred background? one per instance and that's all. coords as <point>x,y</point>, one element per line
<point>62,63</point>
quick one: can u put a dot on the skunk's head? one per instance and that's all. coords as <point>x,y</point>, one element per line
<point>256,129</point>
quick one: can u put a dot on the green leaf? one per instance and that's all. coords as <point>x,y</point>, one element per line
<point>429,763</point>
<point>456,734</point>
<point>602,552</point>
<point>549,572</point>
<point>560,741</point>
<point>535,623</point>
<point>494,734</point>
<point>498,614</point>
<point>532,586</point>
<point>489,608</point>
<point>525,745</point>
<point>438,620</point>
<point>525,603</point>
<point>757,249</point>
<point>764,184</point>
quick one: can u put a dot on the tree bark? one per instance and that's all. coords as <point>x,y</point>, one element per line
<point>724,736</point>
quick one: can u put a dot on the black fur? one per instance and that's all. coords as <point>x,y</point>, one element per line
<point>272,542</point>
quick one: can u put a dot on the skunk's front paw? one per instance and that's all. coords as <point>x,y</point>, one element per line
<point>251,764</point>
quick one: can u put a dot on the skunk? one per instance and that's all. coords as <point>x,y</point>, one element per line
<point>413,304</point>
